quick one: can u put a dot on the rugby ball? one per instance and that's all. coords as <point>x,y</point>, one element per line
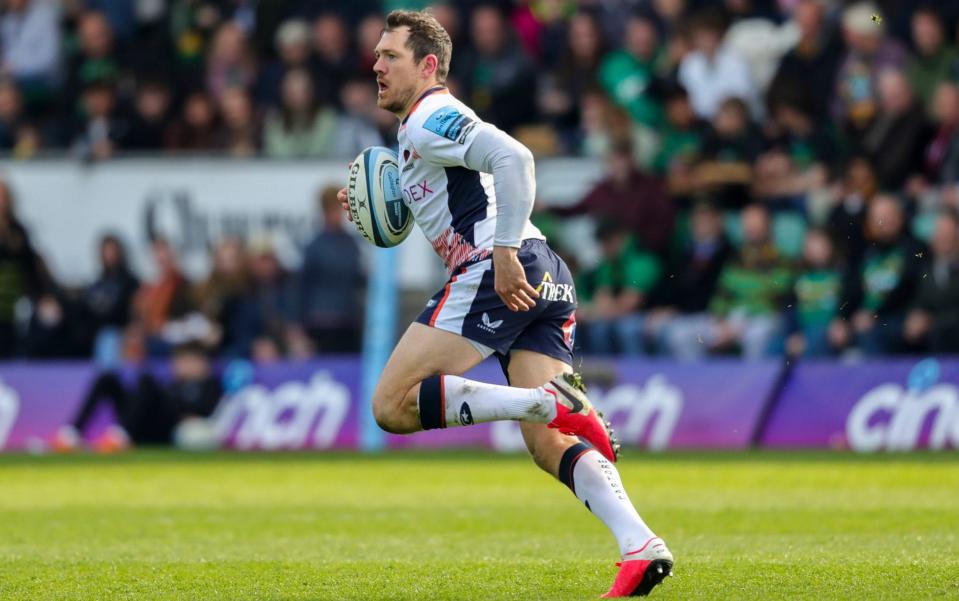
<point>376,197</point>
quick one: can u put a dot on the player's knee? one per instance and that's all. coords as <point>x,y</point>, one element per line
<point>392,413</point>
<point>386,418</point>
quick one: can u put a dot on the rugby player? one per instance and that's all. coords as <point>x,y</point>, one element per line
<point>471,189</point>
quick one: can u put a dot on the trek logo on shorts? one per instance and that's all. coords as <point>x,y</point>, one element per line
<point>489,326</point>
<point>550,291</point>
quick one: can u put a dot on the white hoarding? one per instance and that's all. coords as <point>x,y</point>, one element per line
<point>67,205</point>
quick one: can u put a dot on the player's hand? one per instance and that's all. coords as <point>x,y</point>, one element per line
<point>342,197</point>
<point>344,201</point>
<point>509,280</point>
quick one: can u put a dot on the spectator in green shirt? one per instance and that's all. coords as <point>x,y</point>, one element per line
<point>880,284</point>
<point>618,289</point>
<point>816,297</point>
<point>681,137</point>
<point>626,74</point>
<point>301,128</point>
<point>935,60</point>
<point>746,311</point>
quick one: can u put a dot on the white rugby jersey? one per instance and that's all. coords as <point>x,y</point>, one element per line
<point>454,205</point>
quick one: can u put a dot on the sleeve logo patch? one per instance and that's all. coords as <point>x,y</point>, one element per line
<point>449,123</point>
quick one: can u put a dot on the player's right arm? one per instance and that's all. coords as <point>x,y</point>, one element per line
<point>449,138</point>
<point>511,163</point>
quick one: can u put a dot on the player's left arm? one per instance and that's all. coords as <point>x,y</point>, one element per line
<point>493,151</point>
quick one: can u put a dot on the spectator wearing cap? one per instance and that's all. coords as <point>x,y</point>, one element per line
<point>809,69</point>
<point>712,72</point>
<point>869,51</point>
<point>935,60</point>
<point>30,45</point>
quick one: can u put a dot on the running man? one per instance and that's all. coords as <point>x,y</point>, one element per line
<point>471,189</point>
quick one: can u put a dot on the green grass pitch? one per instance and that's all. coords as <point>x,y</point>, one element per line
<point>163,525</point>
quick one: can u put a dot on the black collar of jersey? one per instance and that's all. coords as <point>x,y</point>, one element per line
<point>432,90</point>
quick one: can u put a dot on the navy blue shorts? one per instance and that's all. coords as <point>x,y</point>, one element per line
<point>469,306</point>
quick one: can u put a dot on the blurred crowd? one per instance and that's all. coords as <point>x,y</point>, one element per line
<point>247,307</point>
<point>782,176</point>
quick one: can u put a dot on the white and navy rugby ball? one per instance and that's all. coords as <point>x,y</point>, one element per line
<point>376,198</point>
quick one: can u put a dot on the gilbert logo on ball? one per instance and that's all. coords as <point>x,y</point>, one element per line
<point>376,198</point>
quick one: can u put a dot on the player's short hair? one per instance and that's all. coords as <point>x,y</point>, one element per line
<point>427,36</point>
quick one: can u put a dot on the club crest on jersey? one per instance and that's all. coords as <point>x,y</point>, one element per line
<point>551,291</point>
<point>449,123</point>
<point>409,158</point>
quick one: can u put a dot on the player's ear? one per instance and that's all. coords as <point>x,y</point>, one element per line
<point>429,65</point>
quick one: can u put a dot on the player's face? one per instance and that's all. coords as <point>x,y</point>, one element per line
<point>397,73</point>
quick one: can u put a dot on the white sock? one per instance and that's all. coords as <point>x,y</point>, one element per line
<point>596,483</point>
<point>468,402</point>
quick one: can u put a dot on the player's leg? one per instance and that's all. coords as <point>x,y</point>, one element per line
<point>595,481</point>
<point>586,472</point>
<point>419,388</point>
<point>106,388</point>
<point>422,352</point>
